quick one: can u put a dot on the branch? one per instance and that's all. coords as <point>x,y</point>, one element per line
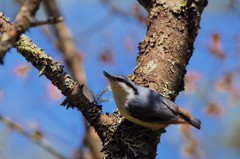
<point>165,51</point>
<point>36,136</point>
<point>168,45</point>
<point>51,20</point>
<point>75,64</point>
<point>55,73</point>
<point>22,22</point>
<point>161,65</point>
<point>67,46</point>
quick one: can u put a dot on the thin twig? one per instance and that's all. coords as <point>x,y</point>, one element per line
<point>35,136</point>
<point>22,23</point>
<point>98,98</point>
<point>67,46</point>
<point>55,73</point>
<point>74,62</point>
<point>51,20</point>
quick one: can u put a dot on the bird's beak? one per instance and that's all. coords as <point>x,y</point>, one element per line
<point>109,77</point>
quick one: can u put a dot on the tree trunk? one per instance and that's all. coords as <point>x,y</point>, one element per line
<point>161,65</point>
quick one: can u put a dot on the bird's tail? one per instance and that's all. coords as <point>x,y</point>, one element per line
<point>189,119</point>
<point>196,123</point>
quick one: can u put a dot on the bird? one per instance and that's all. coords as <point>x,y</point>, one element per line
<point>146,107</point>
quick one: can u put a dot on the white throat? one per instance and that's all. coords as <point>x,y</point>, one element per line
<point>121,93</point>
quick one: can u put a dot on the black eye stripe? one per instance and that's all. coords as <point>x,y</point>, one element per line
<point>128,84</point>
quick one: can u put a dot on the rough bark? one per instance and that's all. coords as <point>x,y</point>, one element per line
<point>22,22</point>
<point>74,62</point>
<point>168,45</point>
<point>56,74</point>
<point>161,66</point>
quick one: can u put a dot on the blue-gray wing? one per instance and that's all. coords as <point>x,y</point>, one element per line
<point>155,109</point>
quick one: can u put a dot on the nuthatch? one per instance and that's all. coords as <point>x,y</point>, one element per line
<point>146,107</point>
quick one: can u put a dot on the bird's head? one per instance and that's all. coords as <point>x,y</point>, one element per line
<point>121,84</point>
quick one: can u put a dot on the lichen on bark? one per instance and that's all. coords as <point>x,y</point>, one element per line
<point>161,65</point>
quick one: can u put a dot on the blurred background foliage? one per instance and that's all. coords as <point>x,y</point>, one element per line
<point>107,33</point>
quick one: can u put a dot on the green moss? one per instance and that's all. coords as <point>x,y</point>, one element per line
<point>178,8</point>
<point>166,90</point>
<point>149,67</point>
<point>172,62</point>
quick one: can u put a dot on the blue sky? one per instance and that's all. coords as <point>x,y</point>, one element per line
<point>26,100</point>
